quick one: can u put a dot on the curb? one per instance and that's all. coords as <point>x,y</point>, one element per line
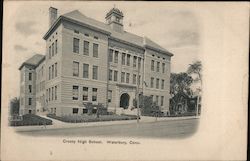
<point>94,124</point>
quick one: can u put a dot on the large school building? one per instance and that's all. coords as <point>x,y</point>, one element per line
<point>90,61</point>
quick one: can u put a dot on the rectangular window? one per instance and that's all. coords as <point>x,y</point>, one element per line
<point>86,35</point>
<point>52,93</point>
<point>76,31</point>
<point>55,69</point>
<point>162,100</point>
<point>30,76</point>
<point>85,93</point>
<point>75,93</point>
<point>94,94</point>
<point>55,92</point>
<point>139,80</point>
<point>95,37</point>
<point>139,63</point>
<point>110,55</point>
<point>75,110</point>
<point>152,65</point>
<point>42,70</point>
<point>75,69</point>
<point>49,94</point>
<point>156,99</point>
<point>85,71</point>
<point>134,61</point>
<point>128,60</point>
<point>95,72</point>
<point>157,83</point>
<point>56,47</point>
<point>152,82</point>
<point>116,57</point>
<point>123,77</point>
<point>123,58</point>
<point>109,96</point>
<point>30,88</point>
<point>163,67</point>
<point>85,48</point>
<point>76,45</point>
<point>84,110</point>
<point>158,67</point>
<point>95,50</point>
<point>30,101</point>
<point>115,75</point>
<point>53,53</point>
<point>134,78</point>
<point>49,52</point>
<point>162,84</point>
<point>110,74</point>
<point>49,73</point>
<point>127,77</point>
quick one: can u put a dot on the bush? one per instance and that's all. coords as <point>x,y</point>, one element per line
<point>31,120</point>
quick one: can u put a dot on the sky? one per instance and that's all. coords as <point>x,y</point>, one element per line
<point>174,27</point>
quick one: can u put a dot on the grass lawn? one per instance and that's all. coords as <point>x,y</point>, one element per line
<point>31,120</point>
<point>92,118</point>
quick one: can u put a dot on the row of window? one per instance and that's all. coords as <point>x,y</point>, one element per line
<point>86,44</point>
<point>158,57</point>
<point>77,32</point>
<point>23,75</point>
<point>29,101</point>
<point>53,49</point>
<point>52,93</point>
<point>157,83</point>
<point>113,76</point>
<point>53,71</point>
<point>85,93</point>
<point>114,56</point>
<point>157,66</point>
<point>85,70</point>
<point>157,100</point>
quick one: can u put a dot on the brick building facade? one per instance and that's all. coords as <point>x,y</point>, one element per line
<point>91,61</point>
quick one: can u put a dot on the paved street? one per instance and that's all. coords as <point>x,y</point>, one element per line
<point>159,129</point>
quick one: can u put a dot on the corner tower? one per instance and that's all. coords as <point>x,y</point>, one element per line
<point>114,18</point>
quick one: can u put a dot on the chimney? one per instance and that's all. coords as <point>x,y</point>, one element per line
<point>52,15</point>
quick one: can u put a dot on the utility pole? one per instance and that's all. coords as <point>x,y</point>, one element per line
<point>138,102</point>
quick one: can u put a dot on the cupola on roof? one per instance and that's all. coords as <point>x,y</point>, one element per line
<point>116,11</point>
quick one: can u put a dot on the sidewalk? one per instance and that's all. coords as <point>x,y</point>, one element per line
<point>63,125</point>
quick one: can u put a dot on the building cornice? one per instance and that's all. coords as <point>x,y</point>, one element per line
<point>63,18</point>
<point>158,50</point>
<point>126,42</point>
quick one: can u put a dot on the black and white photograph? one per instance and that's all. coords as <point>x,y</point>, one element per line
<point>89,80</point>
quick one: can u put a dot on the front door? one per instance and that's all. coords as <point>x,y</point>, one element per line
<point>124,100</point>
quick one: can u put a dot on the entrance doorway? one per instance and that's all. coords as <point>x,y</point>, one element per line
<point>124,100</point>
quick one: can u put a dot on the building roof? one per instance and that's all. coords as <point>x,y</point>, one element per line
<point>125,36</point>
<point>33,61</point>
